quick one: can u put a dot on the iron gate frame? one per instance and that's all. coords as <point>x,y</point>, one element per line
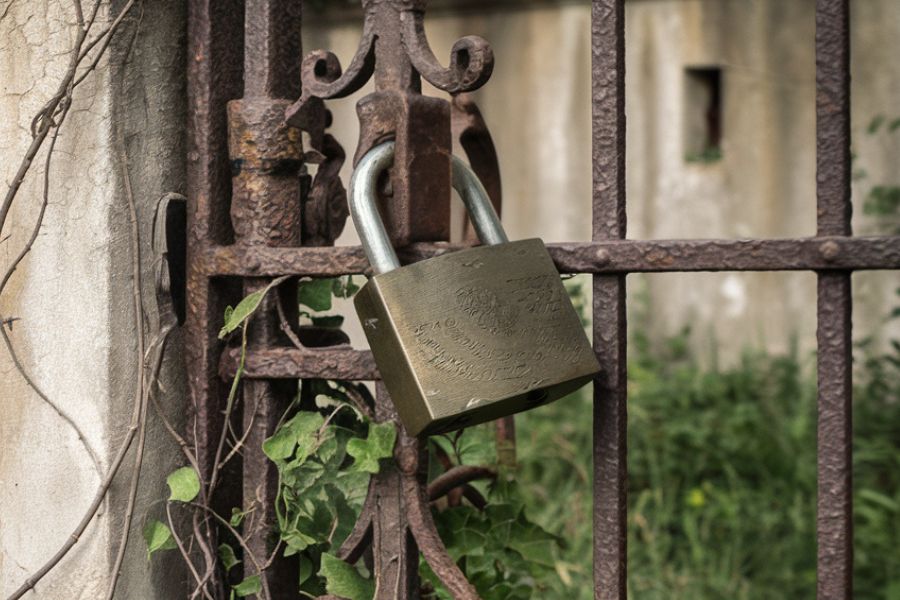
<point>216,55</point>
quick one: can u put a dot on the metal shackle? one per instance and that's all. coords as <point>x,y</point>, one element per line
<point>369,226</point>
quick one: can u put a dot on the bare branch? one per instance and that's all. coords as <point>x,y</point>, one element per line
<point>95,504</point>
<point>139,392</point>
<point>285,325</point>
<point>45,200</point>
<point>206,549</point>
<point>182,443</point>
<point>229,408</point>
<point>79,14</point>
<point>56,408</point>
<point>358,400</point>
<point>180,544</point>
<point>247,552</point>
<point>43,121</point>
<point>106,37</point>
<point>41,127</point>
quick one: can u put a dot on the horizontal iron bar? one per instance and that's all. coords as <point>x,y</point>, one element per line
<point>340,363</point>
<point>349,11</point>
<point>604,257</point>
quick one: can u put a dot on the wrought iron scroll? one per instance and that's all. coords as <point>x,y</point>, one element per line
<point>396,519</point>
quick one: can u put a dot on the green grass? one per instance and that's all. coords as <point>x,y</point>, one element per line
<point>722,477</point>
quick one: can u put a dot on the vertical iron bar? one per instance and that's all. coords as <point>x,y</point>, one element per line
<point>265,211</point>
<point>834,518</point>
<point>214,78</point>
<point>273,49</point>
<point>610,327</point>
<point>394,552</point>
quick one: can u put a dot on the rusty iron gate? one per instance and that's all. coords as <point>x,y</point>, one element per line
<point>254,215</point>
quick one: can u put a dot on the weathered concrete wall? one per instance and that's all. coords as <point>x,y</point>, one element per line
<point>76,333</point>
<point>764,185</point>
<point>538,107</point>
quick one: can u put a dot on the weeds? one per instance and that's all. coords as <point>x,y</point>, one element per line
<point>722,476</point>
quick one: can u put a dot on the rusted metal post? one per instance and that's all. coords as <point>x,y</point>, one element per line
<point>394,552</point>
<point>610,327</point>
<point>214,77</point>
<point>418,208</point>
<point>267,158</point>
<point>834,518</point>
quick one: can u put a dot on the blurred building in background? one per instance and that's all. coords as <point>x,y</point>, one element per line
<point>721,141</point>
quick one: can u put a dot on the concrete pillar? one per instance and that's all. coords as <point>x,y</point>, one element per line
<point>75,334</point>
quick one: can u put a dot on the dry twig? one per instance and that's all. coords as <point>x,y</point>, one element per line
<point>8,321</point>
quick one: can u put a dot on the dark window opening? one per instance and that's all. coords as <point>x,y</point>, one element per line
<point>703,114</point>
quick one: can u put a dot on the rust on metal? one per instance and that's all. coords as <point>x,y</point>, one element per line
<point>292,363</point>
<point>325,208</point>
<point>470,129</point>
<point>394,50</point>
<point>834,518</point>
<point>599,257</point>
<point>267,168</point>
<point>418,207</point>
<point>610,328</point>
<point>215,55</point>
<point>412,462</point>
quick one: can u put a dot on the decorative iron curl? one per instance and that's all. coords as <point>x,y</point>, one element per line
<point>471,58</point>
<point>323,76</point>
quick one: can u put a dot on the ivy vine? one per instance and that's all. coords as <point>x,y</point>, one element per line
<point>326,452</point>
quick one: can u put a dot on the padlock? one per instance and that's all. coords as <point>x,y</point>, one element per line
<point>468,336</point>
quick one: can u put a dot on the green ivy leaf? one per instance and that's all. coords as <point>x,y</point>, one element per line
<point>378,445</point>
<point>344,515</point>
<point>344,580</point>
<point>464,531</point>
<point>237,517</point>
<point>281,445</point>
<point>235,317</point>
<point>184,484</point>
<point>534,543</point>
<point>297,541</point>
<point>158,537</point>
<point>316,294</point>
<point>306,569</point>
<point>248,587</point>
<point>300,431</point>
<point>226,555</point>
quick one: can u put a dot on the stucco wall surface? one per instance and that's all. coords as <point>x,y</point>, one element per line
<point>72,296</point>
<point>60,295</point>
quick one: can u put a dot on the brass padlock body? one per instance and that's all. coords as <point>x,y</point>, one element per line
<point>475,335</point>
